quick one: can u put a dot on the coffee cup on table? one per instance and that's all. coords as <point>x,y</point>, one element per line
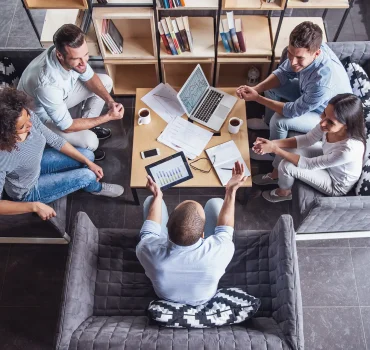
<point>234,125</point>
<point>144,116</point>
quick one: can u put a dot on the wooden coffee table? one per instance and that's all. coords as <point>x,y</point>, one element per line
<point>145,138</point>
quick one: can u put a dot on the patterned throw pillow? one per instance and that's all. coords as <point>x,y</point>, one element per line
<point>363,185</point>
<point>228,306</point>
<point>359,80</point>
<point>8,75</point>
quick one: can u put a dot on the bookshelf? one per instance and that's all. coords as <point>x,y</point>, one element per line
<point>318,4</point>
<point>56,4</point>
<point>202,31</point>
<point>127,75</point>
<point>253,5</point>
<point>175,73</point>
<point>136,26</point>
<point>196,5</point>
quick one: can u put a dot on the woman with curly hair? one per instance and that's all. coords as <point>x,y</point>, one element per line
<point>33,175</point>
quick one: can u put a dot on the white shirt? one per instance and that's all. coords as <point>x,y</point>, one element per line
<point>342,159</point>
<point>187,275</point>
<point>49,84</point>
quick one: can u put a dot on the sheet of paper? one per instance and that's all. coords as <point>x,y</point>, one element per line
<point>163,101</point>
<point>182,135</point>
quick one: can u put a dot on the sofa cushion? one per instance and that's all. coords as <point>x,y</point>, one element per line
<point>8,74</point>
<point>359,80</point>
<point>136,332</point>
<point>363,184</point>
<point>228,306</point>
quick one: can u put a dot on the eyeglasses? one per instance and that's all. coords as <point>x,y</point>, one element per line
<point>202,170</point>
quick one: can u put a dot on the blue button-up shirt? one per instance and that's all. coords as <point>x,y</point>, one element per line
<point>323,79</point>
<point>184,274</point>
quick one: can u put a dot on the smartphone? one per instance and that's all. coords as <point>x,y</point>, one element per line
<point>150,153</point>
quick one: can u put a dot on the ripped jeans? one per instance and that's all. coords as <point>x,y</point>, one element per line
<point>61,175</point>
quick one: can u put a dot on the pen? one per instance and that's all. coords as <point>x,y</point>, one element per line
<point>226,169</point>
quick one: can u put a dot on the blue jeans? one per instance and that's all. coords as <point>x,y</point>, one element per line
<point>61,175</point>
<point>279,125</point>
<point>212,211</point>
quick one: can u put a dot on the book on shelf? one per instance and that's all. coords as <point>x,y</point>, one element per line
<point>234,38</point>
<point>164,39</point>
<point>239,34</point>
<point>225,25</point>
<point>178,35</point>
<point>185,19</point>
<point>111,37</point>
<point>184,37</point>
<point>224,39</point>
<point>169,4</point>
<point>168,36</point>
<point>173,35</point>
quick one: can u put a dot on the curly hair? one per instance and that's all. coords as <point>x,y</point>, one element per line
<point>12,103</point>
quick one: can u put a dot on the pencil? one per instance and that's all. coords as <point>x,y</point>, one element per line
<point>226,169</point>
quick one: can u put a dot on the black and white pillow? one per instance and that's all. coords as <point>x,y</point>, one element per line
<point>363,184</point>
<point>228,306</point>
<point>8,75</point>
<point>359,80</point>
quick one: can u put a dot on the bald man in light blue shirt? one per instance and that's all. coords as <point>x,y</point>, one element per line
<point>186,254</point>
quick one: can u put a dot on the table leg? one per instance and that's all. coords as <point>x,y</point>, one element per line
<point>246,194</point>
<point>136,197</point>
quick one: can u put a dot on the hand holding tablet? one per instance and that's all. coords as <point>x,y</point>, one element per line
<point>170,171</point>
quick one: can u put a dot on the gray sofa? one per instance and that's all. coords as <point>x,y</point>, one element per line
<point>29,228</point>
<point>314,212</point>
<point>106,294</point>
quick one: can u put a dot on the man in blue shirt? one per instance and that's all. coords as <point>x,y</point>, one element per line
<point>310,76</point>
<point>183,266</point>
<point>60,79</point>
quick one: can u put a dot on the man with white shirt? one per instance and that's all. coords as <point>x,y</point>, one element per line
<point>186,254</point>
<point>61,78</point>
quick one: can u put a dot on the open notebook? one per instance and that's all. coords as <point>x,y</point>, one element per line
<point>226,155</point>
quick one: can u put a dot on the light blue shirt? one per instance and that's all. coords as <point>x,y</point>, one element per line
<point>184,274</point>
<point>323,79</point>
<point>49,84</point>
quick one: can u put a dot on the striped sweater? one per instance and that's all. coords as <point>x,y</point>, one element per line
<point>20,168</point>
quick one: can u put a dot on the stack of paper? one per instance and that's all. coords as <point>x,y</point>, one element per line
<point>182,135</point>
<point>163,101</point>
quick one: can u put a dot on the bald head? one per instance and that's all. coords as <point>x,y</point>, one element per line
<point>186,223</point>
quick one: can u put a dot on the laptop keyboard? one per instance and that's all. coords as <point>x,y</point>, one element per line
<point>208,106</point>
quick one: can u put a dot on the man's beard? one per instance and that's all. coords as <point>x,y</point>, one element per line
<point>78,71</point>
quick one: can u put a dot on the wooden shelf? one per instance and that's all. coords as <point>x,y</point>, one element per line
<point>202,31</point>
<point>176,73</point>
<point>127,76</point>
<point>136,26</point>
<point>289,23</point>
<point>318,4</point>
<point>252,5</point>
<point>56,4</point>
<point>197,5</point>
<point>234,73</point>
<point>256,32</point>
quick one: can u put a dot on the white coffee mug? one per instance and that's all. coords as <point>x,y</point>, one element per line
<point>234,129</point>
<point>144,120</point>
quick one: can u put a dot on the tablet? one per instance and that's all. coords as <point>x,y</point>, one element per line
<point>170,171</point>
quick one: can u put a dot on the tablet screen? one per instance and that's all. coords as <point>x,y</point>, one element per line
<point>170,171</point>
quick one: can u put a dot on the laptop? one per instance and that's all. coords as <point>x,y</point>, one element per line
<point>204,104</point>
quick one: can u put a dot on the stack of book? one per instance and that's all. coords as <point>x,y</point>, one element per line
<point>176,35</point>
<point>169,4</point>
<point>111,37</point>
<point>231,33</point>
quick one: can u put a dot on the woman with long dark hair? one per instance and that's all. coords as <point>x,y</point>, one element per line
<point>32,175</point>
<point>331,166</point>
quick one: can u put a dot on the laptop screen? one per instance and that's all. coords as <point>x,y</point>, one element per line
<point>193,90</point>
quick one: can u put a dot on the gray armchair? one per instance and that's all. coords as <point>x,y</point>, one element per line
<point>106,294</point>
<point>314,212</point>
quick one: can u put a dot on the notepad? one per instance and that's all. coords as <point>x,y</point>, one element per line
<point>225,156</point>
